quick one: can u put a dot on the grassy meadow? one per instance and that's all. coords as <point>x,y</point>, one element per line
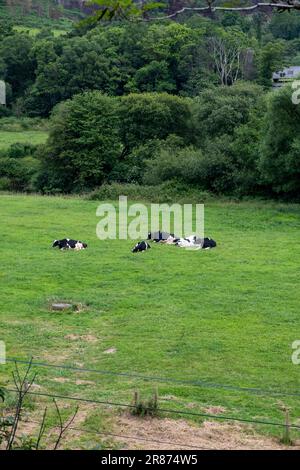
<point>225,316</point>
<point>34,31</point>
<point>8,138</point>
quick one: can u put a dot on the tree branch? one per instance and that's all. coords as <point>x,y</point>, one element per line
<point>290,5</point>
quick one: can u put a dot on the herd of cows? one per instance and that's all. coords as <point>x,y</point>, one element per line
<point>158,237</point>
<point>170,239</point>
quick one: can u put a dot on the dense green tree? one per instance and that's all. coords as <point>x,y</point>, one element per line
<point>19,66</point>
<point>16,174</point>
<point>271,59</point>
<point>149,116</point>
<point>221,110</point>
<point>280,154</point>
<point>244,151</point>
<point>6,28</point>
<point>211,169</point>
<point>83,145</point>
<point>76,65</point>
<point>154,76</point>
<point>227,48</point>
<point>285,26</point>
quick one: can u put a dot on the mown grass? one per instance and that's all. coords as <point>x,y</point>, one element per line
<point>226,316</point>
<point>8,138</point>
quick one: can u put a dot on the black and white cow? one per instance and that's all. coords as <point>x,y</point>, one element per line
<point>69,244</point>
<point>161,236</point>
<point>141,246</point>
<point>196,242</point>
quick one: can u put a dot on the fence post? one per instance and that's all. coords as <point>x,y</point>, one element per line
<point>286,438</point>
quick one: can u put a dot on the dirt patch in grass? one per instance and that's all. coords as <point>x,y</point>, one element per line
<point>84,382</point>
<point>88,338</point>
<point>55,357</point>
<point>36,387</point>
<point>215,410</point>
<point>168,434</point>
<point>61,380</point>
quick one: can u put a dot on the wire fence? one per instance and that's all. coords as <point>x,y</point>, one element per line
<point>194,383</point>
<point>159,410</point>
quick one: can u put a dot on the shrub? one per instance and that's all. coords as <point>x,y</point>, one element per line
<point>149,116</point>
<point>18,150</point>
<point>5,183</point>
<point>132,168</point>
<point>4,111</point>
<point>280,150</point>
<point>220,111</point>
<point>168,192</point>
<point>18,173</point>
<point>212,169</point>
<point>181,164</point>
<point>145,408</point>
<point>83,144</point>
<point>13,124</point>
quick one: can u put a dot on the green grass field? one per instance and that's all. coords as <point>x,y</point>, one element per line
<point>225,316</point>
<point>34,31</point>
<point>8,138</point>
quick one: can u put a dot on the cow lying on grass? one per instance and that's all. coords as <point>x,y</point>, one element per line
<point>68,244</point>
<point>161,237</point>
<point>195,242</point>
<point>192,241</point>
<point>141,246</point>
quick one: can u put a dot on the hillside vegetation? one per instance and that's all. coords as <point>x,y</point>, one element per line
<point>186,102</point>
<point>38,14</point>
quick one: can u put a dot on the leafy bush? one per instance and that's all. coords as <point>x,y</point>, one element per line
<point>170,191</point>
<point>285,26</point>
<point>131,169</point>
<point>210,170</point>
<point>280,162</point>
<point>13,124</point>
<point>181,164</point>
<point>5,183</point>
<point>18,150</point>
<point>220,111</point>
<point>17,173</point>
<point>4,111</point>
<point>83,144</point>
<point>145,408</point>
<point>149,116</point>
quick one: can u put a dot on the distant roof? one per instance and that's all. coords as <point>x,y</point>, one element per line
<point>288,72</point>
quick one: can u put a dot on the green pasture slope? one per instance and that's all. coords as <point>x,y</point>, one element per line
<point>8,138</point>
<point>227,316</point>
<point>34,31</point>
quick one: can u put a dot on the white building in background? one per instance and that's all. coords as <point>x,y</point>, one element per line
<point>2,93</point>
<point>286,75</point>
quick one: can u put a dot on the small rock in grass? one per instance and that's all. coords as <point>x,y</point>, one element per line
<point>110,351</point>
<point>58,307</point>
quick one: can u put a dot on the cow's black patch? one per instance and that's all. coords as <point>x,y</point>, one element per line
<point>209,243</point>
<point>160,236</point>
